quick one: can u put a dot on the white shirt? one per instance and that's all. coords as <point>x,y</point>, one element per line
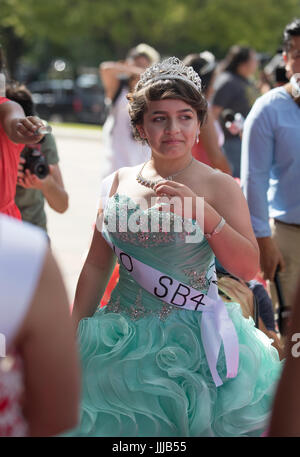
<point>119,146</point>
<point>22,251</point>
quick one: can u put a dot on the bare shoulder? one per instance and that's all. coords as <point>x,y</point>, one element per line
<point>226,196</point>
<point>127,173</point>
<point>205,180</point>
<point>222,184</point>
<point>216,187</point>
<point>123,177</point>
<point>124,171</point>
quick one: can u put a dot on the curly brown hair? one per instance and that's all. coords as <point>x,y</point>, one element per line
<point>163,90</point>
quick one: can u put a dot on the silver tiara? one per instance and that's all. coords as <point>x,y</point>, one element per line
<point>171,68</point>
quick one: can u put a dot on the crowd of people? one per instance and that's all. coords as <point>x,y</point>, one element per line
<point>198,221</point>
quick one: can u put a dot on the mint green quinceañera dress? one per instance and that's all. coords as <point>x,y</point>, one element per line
<point>144,366</point>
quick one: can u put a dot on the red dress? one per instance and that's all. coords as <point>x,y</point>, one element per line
<point>9,159</point>
<point>12,421</point>
<point>199,153</point>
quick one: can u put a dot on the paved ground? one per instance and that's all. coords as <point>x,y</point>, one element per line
<point>81,163</point>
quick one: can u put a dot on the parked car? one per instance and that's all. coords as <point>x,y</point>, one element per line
<point>90,103</point>
<point>66,100</point>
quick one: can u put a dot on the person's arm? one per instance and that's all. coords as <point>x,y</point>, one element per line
<point>54,190</point>
<point>97,268</point>
<point>256,162</point>
<point>209,140</point>
<point>216,111</point>
<point>285,419</point>
<point>270,257</point>
<point>235,245</point>
<point>110,72</point>
<point>56,196</point>
<point>18,128</point>
<point>51,368</point>
<point>93,278</point>
<point>52,186</point>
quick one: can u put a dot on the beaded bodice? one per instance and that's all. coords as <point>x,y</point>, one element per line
<point>158,239</point>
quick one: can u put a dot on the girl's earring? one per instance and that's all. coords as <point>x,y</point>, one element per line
<point>197,138</point>
<point>144,139</point>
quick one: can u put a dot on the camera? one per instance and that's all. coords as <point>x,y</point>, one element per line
<point>234,122</point>
<point>36,162</point>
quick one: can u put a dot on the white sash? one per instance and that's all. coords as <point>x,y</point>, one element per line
<point>216,325</point>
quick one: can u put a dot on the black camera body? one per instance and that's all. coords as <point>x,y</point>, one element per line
<point>36,162</point>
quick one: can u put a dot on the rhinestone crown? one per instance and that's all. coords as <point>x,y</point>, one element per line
<point>171,68</point>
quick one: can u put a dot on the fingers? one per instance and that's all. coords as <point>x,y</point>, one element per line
<point>278,267</point>
<point>273,271</point>
<point>20,171</point>
<point>20,182</point>
<point>21,167</point>
<point>28,180</point>
<point>281,264</point>
<point>270,270</point>
<point>166,190</point>
<point>36,121</point>
<point>28,127</point>
<point>271,258</point>
<point>172,184</point>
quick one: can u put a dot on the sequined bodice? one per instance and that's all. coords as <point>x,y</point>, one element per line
<point>158,239</point>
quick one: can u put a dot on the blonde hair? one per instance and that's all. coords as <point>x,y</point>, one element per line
<point>144,49</point>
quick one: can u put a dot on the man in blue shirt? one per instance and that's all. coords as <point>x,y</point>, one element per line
<point>270,173</point>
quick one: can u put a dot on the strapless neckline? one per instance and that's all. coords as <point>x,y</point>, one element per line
<point>118,195</point>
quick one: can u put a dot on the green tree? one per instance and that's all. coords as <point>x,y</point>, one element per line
<point>90,31</point>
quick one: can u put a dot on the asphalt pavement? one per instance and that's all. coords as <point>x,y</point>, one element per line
<point>81,163</point>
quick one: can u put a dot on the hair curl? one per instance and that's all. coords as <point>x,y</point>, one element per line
<point>163,90</point>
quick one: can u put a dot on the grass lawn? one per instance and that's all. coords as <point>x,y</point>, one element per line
<point>76,126</point>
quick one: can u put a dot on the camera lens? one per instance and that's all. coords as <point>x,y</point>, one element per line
<point>41,170</point>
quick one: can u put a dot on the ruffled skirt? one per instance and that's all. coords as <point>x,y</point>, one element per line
<point>150,377</point>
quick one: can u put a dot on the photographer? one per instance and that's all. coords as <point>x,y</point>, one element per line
<point>32,189</point>
<point>234,91</point>
<point>119,146</point>
<point>15,131</point>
